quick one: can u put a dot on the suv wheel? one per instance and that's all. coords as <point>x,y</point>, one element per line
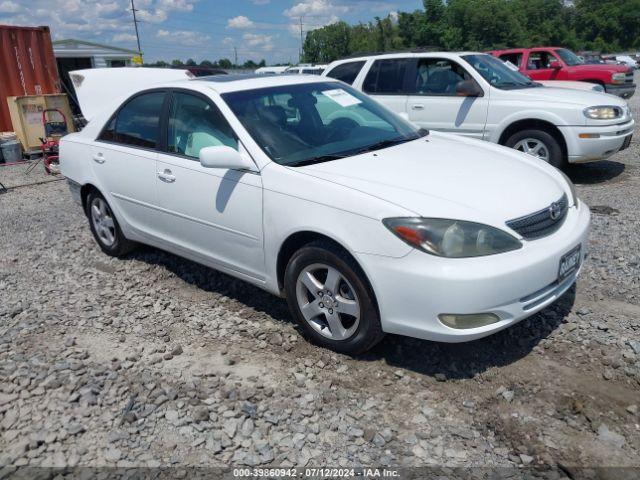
<point>538,143</point>
<point>105,228</point>
<point>331,299</point>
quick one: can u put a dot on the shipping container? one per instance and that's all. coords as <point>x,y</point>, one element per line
<point>27,66</point>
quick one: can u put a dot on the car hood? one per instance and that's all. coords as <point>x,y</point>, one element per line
<point>566,96</point>
<point>600,67</point>
<point>448,176</point>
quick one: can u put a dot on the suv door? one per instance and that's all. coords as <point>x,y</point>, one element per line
<point>214,213</point>
<point>124,159</point>
<point>386,81</point>
<point>538,66</point>
<point>434,103</point>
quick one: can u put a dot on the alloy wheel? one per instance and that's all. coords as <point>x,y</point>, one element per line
<point>533,146</point>
<point>103,223</point>
<point>328,301</point>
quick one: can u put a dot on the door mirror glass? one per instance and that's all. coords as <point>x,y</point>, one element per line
<point>469,88</point>
<point>224,157</point>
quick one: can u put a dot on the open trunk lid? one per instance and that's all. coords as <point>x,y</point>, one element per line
<point>97,88</point>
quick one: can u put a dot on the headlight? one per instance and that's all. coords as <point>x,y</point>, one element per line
<point>618,77</point>
<point>572,187</point>
<point>451,238</point>
<point>603,113</point>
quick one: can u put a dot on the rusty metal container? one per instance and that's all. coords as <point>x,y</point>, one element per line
<point>27,66</point>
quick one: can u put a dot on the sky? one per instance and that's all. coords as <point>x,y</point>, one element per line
<point>198,29</point>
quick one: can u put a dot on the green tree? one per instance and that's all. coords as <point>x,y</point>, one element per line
<point>177,63</point>
<point>225,63</point>
<point>327,44</point>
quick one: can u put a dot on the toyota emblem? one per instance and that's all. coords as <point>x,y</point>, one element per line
<point>555,210</point>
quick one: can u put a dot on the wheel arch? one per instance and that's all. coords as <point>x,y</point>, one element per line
<point>534,123</point>
<point>296,241</point>
<point>85,190</point>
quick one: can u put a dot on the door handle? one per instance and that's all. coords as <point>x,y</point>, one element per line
<point>167,176</point>
<point>99,158</point>
<point>417,107</point>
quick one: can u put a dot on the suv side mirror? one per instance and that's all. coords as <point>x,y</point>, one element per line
<point>469,88</point>
<point>555,65</point>
<point>224,157</point>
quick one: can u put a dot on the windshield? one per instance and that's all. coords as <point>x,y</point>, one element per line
<point>569,57</point>
<point>497,73</point>
<point>314,122</point>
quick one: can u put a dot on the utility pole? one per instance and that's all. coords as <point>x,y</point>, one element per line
<point>235,54</point>
<point>135,24</point>
<point>301,41</point>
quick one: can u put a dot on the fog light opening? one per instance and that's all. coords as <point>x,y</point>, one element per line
<point>464,321</point>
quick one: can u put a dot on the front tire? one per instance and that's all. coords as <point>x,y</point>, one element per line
<point>105,228</point>
<point>331,300</point>
<point>540,144</point>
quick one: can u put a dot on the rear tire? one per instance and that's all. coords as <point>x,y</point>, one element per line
<point>105,227</point>
<point>340,312</point>
<point>538,143</point>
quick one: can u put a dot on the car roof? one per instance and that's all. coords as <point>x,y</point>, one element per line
<point>238,82</point>
<point>404,55</point>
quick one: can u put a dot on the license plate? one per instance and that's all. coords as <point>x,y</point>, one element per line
<point>626,143</point>
<point>569,264</point>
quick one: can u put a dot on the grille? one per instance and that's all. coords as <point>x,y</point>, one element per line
<point>543,222</point>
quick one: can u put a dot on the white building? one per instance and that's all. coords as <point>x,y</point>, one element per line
<point>79,54</point>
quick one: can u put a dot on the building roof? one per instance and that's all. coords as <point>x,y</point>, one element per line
<point>74,44</point>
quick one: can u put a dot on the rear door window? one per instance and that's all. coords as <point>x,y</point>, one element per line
<point>515,58</point>
<point>137,123</point>
<point>346,72</point>
<point>387,76</point>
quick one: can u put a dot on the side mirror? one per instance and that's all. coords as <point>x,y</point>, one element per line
<point>224,157</point>
<point>555,65</point>
<point>469,88</point>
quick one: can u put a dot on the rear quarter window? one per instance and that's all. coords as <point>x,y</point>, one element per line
<point>346,72</point>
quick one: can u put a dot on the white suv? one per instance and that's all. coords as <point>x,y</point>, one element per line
<point>476,95</point>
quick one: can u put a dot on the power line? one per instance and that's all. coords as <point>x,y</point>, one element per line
<point>135,24</point>
<point>301,41</point>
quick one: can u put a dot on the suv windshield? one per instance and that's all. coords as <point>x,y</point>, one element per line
<point>316,122</point>
<point>569,57</point>
<point>497,73</point>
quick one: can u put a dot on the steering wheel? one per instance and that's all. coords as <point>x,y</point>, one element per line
<point>340,128</point>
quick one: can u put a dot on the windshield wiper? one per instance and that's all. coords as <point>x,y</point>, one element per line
<point>319,159</point>
<point>384,144</point>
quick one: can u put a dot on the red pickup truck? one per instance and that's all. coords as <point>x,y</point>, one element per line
<point>556,63</point>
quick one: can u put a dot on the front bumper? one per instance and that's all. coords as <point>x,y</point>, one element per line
<point>610,139</point>
<point>624,90</point>
<point>412,291</point>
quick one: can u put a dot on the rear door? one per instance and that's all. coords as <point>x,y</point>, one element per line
<point>434,104</point>
<point>387,82</point>
<point>124,159</point>
<point>215,213</point>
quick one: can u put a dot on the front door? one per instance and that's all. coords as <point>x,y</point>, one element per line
<point>212,212</point>
<point>434,104</point>
<point>538,66</point>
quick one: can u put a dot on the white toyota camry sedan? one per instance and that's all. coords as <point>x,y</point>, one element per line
<point>313,191</point>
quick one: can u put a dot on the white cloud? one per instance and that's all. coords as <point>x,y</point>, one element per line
<point>240,22</point>
<point>314,14</point>
<point>183,37</point>
<point>124,37</point>
<point>259,41</point>
<point>9,7</point>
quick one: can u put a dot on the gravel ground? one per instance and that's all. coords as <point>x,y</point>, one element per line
<point>153,360</point>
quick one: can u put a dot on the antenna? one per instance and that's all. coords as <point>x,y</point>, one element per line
<point>135,24</point>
